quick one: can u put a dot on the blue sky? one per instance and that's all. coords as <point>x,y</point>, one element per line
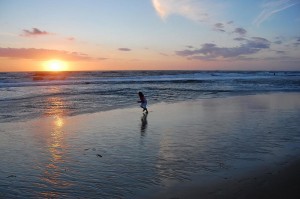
<point>150,34</point>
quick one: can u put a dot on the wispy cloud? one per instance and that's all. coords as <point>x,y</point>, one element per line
<point>124,49</point>
<point>189,46</point>
<point>240,39</point>
<point>210,51</point>
<point>219,27</point>
<point>272,7</point>
<point>207,11</point>
<point>191,9</point>
<point>70,38</point>
<point>34,32</point>
<point>43,54</point>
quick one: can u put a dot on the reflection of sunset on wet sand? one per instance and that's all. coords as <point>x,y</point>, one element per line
<point>55,141</point>
<point>53,170</point>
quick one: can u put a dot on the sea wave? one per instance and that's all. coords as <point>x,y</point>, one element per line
<point>28,95</point>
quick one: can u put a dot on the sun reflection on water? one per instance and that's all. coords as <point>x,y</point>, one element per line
<point>55,169</point>
<point>59,122</point>
<point>55,107</point>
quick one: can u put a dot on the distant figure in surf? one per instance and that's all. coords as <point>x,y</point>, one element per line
<point>143,102</point>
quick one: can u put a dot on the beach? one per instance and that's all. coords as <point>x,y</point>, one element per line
<point>244,146</point>
<point>269,182</point>
<point>156,99</point>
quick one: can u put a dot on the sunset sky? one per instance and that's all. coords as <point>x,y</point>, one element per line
<point>149,34</point>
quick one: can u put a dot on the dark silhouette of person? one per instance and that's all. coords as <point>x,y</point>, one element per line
<point>143,102</point>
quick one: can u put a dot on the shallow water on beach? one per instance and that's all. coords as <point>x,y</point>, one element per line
<point>125,154</point>
<point>31,95</point>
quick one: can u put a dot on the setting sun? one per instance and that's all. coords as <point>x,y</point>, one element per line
<point>55,65</point>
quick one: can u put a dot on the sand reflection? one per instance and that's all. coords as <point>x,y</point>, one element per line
<point>54,168</point>
<point>144,124</point>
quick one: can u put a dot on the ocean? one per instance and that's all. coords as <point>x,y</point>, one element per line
<point>27,95</point>
<point>83,134</point>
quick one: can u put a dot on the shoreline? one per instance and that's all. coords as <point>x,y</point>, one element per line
<point>233,147</point>
<point>66,113</point>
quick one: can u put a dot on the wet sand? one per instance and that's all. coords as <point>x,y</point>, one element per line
<point>275,177</point>
<point>232,147</point>
<point>280,182</point>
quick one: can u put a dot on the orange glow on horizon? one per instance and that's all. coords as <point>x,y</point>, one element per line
<point>55,65</point>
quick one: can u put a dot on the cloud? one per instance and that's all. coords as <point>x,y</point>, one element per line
<point>219,27</point>
<point>211,51</point>
<point>296,42</point>
<point>278,42</point>
<point>70,38</point>
<point>189,46</point>
<point>191,9</point>
<point>240,31</point>
<point>164,54</point>
<point>102,58</point>
<point>272,7</point>
<point>240,39</point>
<point>280,52</point>
<point>43,54</point>
<point>124,49</point>
<point>34,32</point>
